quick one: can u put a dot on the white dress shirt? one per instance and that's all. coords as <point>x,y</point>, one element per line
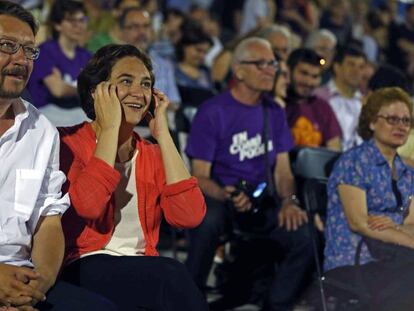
<point>347,111</point>
<point>30,181</point>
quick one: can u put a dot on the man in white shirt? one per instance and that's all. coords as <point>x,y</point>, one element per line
<point>31,203</point>
<point>343,94</point>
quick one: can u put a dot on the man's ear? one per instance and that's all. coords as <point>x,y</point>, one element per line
<point>371,126</point>
<point>93,93</point>
<point>238,72</point>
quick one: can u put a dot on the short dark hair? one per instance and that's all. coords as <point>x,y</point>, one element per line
<point>60,9</point>
<point>304,55</point>
<point>382,97</point>
<point>387,76</point>
<point>192,33</point>
<point>17,11</point>
<point>99,69</point>
<point>349,50</point>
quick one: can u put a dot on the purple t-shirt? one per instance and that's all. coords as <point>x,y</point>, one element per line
<point>312,121</point>
<point>229,135</point>
<point>52,56</point>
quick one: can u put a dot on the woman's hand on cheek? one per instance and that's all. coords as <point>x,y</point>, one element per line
<point>107,106</point>
<point>158,124</point>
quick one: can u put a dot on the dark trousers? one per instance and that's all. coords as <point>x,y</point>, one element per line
<point>67,297</point>
<point>138,282</point>
<point>296,247</point>
<point>383,285</point>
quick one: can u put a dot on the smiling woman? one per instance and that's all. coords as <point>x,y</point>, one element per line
<point>120,185</point>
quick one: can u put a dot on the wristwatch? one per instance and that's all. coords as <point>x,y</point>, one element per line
<point>293,199</point>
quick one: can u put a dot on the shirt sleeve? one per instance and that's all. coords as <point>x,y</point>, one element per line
<point>332,128</point>
<point>349,171</point>
<point>50,200</point>
<point>284,141</point>
<point>202,141</point>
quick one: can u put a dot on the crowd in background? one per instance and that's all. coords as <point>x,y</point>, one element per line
<point>191,42</point>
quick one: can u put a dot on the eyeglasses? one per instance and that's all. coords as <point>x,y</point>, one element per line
<point>136,26</point>
<point>11,47</point>
<point>394,120</point>
<point>261,63</point>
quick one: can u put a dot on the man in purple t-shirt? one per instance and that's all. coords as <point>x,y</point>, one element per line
<point>227,145</point>
<point>311,119</point>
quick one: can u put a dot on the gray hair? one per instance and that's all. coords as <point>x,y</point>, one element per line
<point>316,35</point>
<point>268,31</point>
<point>242,49</point>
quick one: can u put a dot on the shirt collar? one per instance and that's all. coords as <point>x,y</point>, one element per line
<point>333,90</point>
<point>378,159</point>
<point>20,109</point>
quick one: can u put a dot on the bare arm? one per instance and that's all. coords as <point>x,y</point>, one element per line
<point>406,45</point>
<point>108,120</point>
<point>290,215</point>
<point>334,144</point>
<point>174,166</point>
<point>57,87</point>
<point>202,170</point>
<point>47,251</point>
<point>221,66</point>
<point>354,203</point>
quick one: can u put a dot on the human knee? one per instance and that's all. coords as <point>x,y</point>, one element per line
<point>171,269</point>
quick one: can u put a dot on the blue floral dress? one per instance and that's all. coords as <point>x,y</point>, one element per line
<point>363,167</point>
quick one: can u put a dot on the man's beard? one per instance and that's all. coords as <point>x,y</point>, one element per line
<point>17,92</point>
<point>9,94</point>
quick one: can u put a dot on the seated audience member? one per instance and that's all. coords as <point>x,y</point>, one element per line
<point>323,42</point>
<point>227,146</point>
<point>170,32</point>
<point>52,85</point>
<point>256,14</point>
<point>135,24</point>
<point>369,202</point>
<point>191,50</point>
<point>343,94</point>
<point>279,37</point>
<point>281,84</point>
<point>120,186</point>
<point>114,33</point>
<point>388,76</point>
<point>311,119</point>
<point>32,243</point>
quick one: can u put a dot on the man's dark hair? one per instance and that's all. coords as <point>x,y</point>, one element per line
<point>303,55</point>
<point>124,14</point>
<point>17,11</point>
<point>349,50</point>
<point>60,10</point>
<point>99,69</point>
<point>192,33</point>
<point>389,76</point>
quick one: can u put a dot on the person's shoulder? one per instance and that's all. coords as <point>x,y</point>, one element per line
<point>358,154</point>
<point>83,53</point>
<point>216,102</point>
<point>74,132</point>
<point>50,45</point>
<point>38,119</point>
